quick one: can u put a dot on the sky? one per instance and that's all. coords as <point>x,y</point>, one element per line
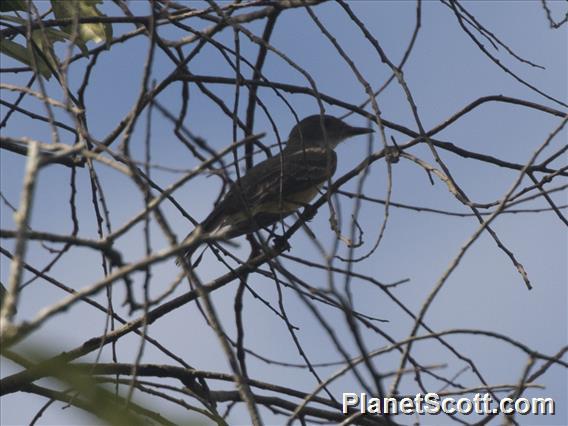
<point>445,72</point>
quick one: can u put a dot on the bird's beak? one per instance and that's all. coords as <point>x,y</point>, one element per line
<point>354,131</point>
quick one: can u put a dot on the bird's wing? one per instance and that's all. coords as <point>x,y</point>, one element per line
<point>277,179</point>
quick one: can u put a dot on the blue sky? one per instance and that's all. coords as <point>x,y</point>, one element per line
<point>445,72</point>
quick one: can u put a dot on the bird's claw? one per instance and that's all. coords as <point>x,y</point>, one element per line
<point>392,154</point>
<point>281,243</point>
<point>309,213</point>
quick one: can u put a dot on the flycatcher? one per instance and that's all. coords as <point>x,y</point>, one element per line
<point>279,185</point>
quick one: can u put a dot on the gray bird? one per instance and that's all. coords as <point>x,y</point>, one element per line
<point>279,185</point>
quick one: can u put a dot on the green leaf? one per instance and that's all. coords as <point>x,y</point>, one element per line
<point>53,34</point>
<point>3,291</point>
<point>12,5</point>
<point>44,48</point>
<point>23,54</point>
<point>85,9</point>
<point>42,38</point>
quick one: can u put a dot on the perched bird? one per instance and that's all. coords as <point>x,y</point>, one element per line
<point>279,185</point>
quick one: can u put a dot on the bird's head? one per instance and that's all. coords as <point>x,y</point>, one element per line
<point>310,132</point>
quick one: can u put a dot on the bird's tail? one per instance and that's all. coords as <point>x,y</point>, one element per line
<point>194,240</point>
<point>209,230</point>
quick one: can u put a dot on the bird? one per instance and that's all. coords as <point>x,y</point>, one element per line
<point>280,185</point>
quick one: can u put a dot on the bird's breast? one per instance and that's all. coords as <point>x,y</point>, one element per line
<point>291,202</point>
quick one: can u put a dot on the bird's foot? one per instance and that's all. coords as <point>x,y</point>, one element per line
<point>309,212</point>
<point>392,153</point>
<point>281,243</point>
